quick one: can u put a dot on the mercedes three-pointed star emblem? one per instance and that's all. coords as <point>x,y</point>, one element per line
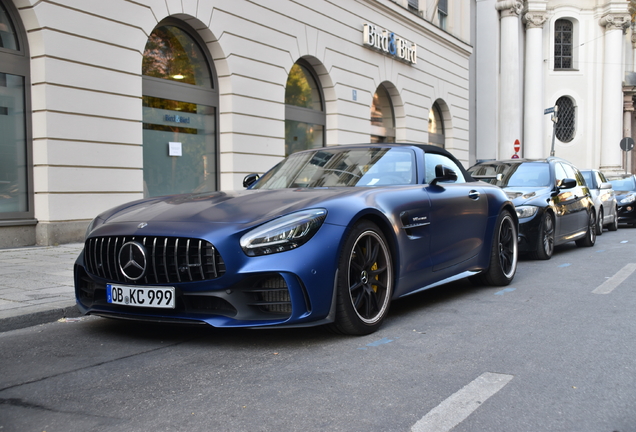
<point>132,260</point>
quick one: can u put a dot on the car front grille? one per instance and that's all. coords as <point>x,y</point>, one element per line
<point>168,259</point>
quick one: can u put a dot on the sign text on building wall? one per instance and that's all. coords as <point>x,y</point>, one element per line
<point>389,43</point>
<point>176,118</point>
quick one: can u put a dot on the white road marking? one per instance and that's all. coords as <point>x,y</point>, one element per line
<point>460,405</point>
<point>609,285</point>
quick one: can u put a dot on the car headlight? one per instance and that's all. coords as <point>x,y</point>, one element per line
<point>628,199</point>
<point>526,211</point>
<point>283,234</point>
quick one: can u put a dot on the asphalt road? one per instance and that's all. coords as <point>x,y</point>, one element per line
<point>554,351</point>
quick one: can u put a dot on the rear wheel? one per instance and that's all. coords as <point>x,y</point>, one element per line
<point>503,253</point>
<point>365,281</point>
<point>590,234</point>
<point>599,223</point>
<point>545,245</point>
<point>614,225</point>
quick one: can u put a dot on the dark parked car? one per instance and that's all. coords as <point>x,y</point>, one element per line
<point>553,203</point>
<point>327,236</point>
<point>625,190</point>
<point>604,200</point>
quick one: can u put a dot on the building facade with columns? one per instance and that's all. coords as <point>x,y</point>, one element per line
<point>105,102</point>
<point>530,56</point>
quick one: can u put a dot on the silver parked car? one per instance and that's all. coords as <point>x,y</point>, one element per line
<point>604,200</point>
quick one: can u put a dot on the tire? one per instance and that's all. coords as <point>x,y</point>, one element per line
<point>545,245</point>
<point>599,223</point>
<point>503,253</point>
<point>590,233</point>
<point>614,225</point>
<point>365,281</point>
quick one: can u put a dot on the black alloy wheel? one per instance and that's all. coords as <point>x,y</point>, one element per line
<point>545,245</point>
<point>504,253</point>
<point>365,281</point>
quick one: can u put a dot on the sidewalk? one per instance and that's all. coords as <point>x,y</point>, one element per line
<point>36,285</point>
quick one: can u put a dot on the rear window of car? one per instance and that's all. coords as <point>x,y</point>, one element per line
<point>525,174</point>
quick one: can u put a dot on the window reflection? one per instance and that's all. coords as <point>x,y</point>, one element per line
<point>171,54</point>
<point>13,151</point>
<point>304,116</point>
<point>382,118</point>
<point>436,126</point>
<point>8,37</point>
<point>301,89</point>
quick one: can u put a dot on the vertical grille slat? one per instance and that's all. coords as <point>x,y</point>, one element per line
<point>166,257</point>
<point>201,259</point>
<point>187,256</point>
<point>154,262</point>
<point>176,259</point>
<point>110,269</point>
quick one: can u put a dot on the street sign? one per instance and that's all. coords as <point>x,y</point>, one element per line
<point>548,110</point>
<point>627,144</point>
<point>517,146</point>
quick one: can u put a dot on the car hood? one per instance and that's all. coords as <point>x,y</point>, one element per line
<point>239,207</point>
<point>523,195</point>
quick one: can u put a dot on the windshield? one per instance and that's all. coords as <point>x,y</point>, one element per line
<point>623,184</point>
<point>526,174</point>
<point>326,167</point>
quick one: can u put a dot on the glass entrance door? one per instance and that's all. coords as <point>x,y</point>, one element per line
<point>179,147</point>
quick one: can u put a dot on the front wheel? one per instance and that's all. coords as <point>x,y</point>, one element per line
<point>545,245</point>
<point>590,234</point>
<point>599,223</point>
<point>503,253</point>
<point>365,281</point>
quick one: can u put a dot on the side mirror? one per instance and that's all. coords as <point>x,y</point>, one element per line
<point>250,179</point>
<point>567,183</point>
<point>605,185</point>
<point>442,174</point>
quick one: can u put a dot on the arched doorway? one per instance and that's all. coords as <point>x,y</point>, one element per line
<point>180,104</point>
<point>304,110</point>
<point>16,174</point>
<point>382,116</point>
<point>436,134</point>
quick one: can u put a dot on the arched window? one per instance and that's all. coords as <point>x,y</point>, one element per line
<point>16,175</point>
<point>179,112</point>
<point>382,117</point>
<point>304,110</point>
<point>436,126</point>
<point>563,44</point>
<point>565,127</point>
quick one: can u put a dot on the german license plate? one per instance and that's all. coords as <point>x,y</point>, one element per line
<point>154,297</point>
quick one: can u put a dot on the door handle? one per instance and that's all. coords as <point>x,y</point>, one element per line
<point>474,195</point>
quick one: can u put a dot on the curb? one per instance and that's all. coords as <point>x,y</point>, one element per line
<point>38,317</point>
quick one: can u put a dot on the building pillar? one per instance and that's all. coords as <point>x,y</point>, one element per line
<point>612,101</point>
<point>532,145</point>
<point>510,81</point>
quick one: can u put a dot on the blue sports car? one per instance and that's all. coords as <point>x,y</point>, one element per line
<point>328,236</point>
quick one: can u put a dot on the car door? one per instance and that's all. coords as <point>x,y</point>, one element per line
<point>458,216</point>
<point>569,202</point>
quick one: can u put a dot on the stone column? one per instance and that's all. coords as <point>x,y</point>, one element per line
<point>533,119</point>
<point>510,81</point>
<point>612,101</point>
